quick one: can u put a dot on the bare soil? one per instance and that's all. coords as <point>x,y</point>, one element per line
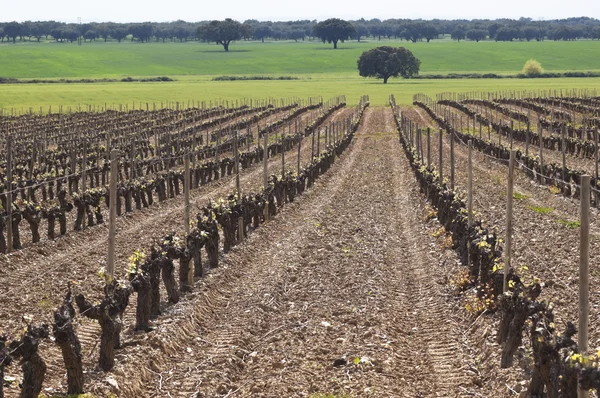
<point>346,291</point>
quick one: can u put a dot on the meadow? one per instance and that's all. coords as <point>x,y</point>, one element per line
<point>321,70</point>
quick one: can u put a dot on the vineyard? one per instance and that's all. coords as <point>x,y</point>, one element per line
<point>302,247</point>
<point>511,176</point>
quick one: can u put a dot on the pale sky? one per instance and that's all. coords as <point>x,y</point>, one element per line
<point>188,10</point>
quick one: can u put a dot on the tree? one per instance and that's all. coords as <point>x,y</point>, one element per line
<point>84,28</point>
<point>119,34</point>
<point>161,34</point>
<point>104,32</point>
<point>37,30</point>
<point>56,33</point>
<point>247,31</point>
<point>376,28</point>
<point>362,29</point>
<point>334,30</point>
<point>262,31</point>
<point>143,32</point>
<point>296,34</point>
<point>25,30</point>
<point>530,33</point>
<point>476,34</point>
<point>492,29</point>
<point>413,32</point>
<point>507,34</point>
<point>458,34</point>
<point>430,32</point>
<point>221,32</point>
<point>12,30</point>
<point>70,34</point>
<point>90,35</point>
<point>385,62</point>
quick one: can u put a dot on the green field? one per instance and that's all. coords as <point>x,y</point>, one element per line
<point>322,70</point>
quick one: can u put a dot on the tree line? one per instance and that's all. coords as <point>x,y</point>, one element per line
<point>524,29</point>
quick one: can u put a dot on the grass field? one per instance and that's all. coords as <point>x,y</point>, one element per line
<point>26,95</point>
<point>322,70</point>
<point>99,59</point>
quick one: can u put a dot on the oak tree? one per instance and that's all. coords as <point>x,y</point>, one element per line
<point>12,30</point>
<point>385,62</point>
<point>221,32</point>
<point>334,30</point>
<point>476,34</point>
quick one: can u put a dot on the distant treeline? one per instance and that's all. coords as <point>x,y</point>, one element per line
<point>496,76</point>
<point>10,80</point>
<point>403,29</point>
<point>233,78</point>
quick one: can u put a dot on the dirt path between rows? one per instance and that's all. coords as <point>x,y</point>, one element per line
<point>344,292</point>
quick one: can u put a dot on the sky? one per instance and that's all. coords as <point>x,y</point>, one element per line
<point>273,10</point>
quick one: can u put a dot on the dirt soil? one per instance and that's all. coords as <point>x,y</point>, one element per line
<point>345,292</point>
<point>544,245</point>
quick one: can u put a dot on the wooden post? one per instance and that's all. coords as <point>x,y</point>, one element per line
<point>418,143</point>
<point>237,163</point>
<point>452,159</point>
<point>187,187</point>
<point>584,253</point>
<point>312,152</point>
<point>73,160</point>
<point>112,219</point>
<point>428,148</point>
<point>563,131</point>
<point>499,134</point>
<point>509,209</point>
<point>541,154</point>
<point>237,184</point>
<point>299,147</point>
<point>441,171</point>
<point>470,185</point>
<point>84,168</point>
<point>319,141</point>
<point>265,176</point>
<point>421,134</point>
<point>283,152</point>
<point>527,138</point>
<point>597,196</point>
<point>133,171</point>
<point>9,195</point>
<point>217,146</point>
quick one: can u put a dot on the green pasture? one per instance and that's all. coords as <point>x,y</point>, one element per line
<point>112,59</point>
<point>322,70</point>
<point>23,96</point>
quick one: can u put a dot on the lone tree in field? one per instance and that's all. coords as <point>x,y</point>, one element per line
<point>385,62</point>
<point>221,32</point>
<point>334,30</point>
